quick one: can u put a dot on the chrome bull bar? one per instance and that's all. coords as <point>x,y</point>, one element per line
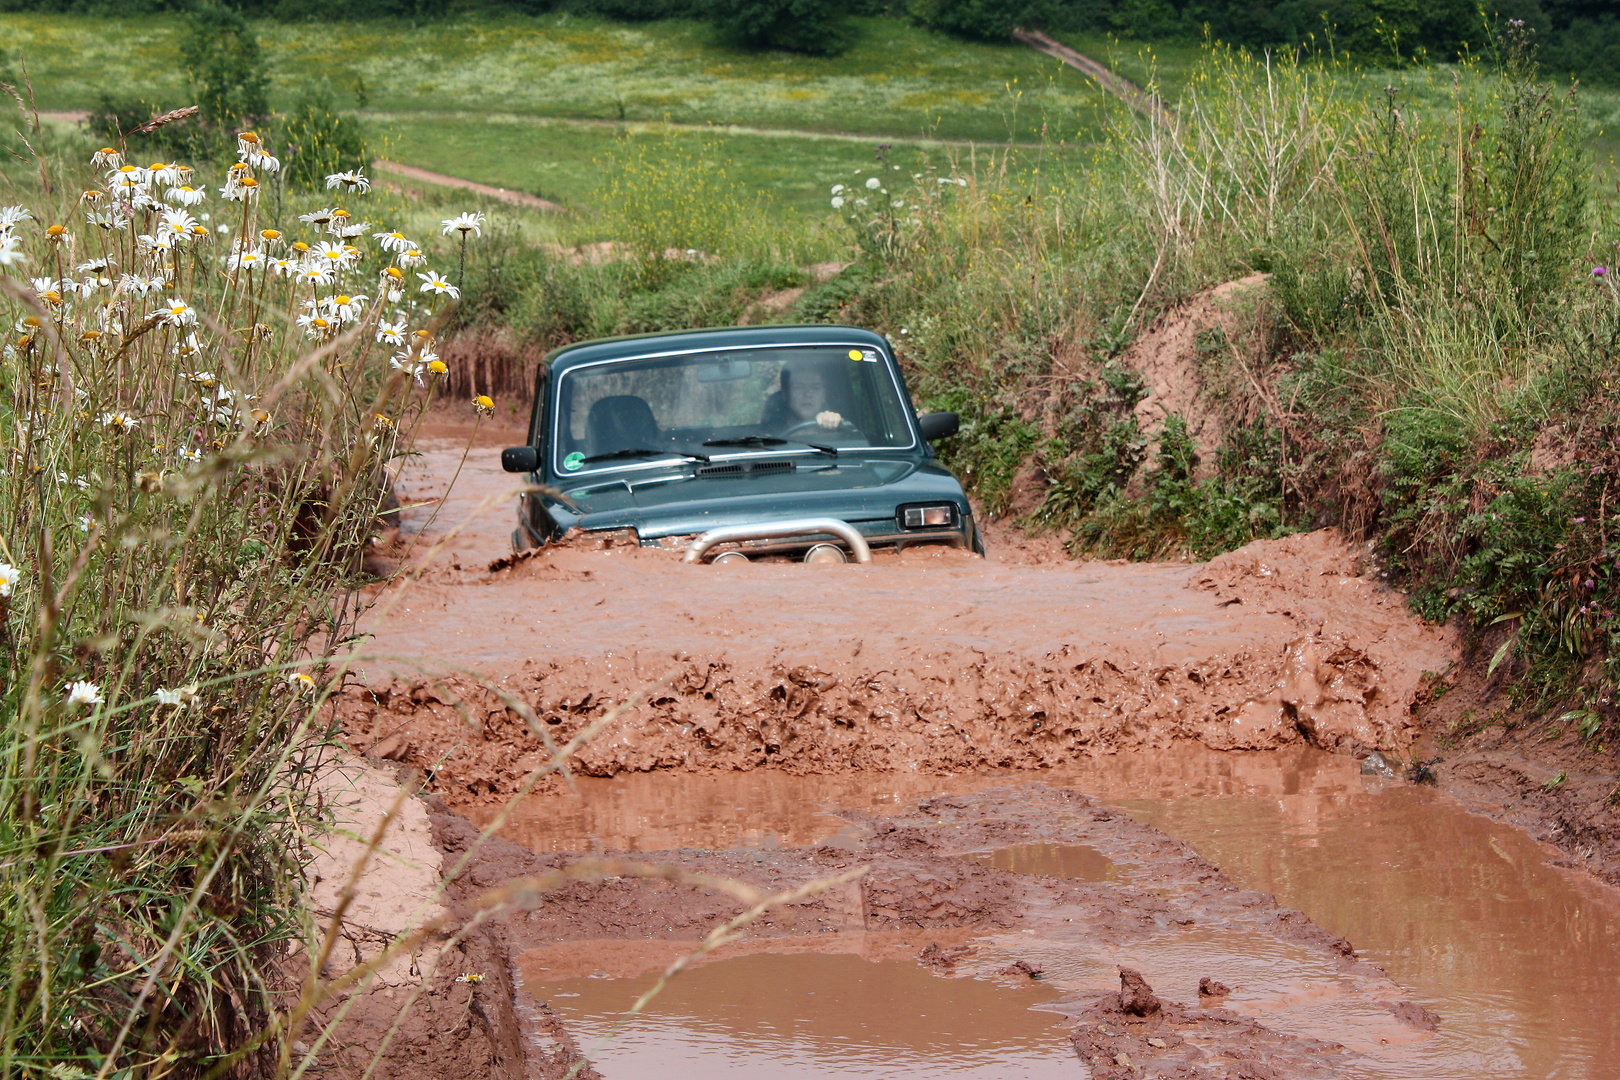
<point>779,530</point>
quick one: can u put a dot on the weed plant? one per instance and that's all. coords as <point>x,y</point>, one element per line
<point>198,418</point>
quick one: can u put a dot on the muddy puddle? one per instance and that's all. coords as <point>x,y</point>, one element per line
<point>1519,959</point>
<point>1052,770</point>
<point>815,1016</point>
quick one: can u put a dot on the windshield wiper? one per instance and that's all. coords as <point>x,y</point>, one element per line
<point>746,440</point>
<point>769,440</point>
<point>639,451</point>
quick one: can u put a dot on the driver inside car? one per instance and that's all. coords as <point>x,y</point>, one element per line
<point>802,401</point>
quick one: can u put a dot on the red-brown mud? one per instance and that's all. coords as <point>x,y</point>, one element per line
<point>966,918</point>
<point>935,660</point>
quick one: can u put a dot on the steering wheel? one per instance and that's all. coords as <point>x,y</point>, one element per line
<point>844,426</point>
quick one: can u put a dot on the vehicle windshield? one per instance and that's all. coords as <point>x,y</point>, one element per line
<point>699,405</point>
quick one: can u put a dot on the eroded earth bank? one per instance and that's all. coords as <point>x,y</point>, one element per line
<point>995,698</point>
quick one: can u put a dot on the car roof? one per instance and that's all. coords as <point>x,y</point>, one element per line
<point>737,337</point>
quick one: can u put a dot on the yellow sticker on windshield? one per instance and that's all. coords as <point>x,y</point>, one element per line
<point>854,354</point>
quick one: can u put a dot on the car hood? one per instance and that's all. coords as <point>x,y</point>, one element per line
<point>678,503</point>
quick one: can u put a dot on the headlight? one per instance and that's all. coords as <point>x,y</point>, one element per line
<point>928,517</point>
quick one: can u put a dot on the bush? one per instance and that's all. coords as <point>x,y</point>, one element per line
<point>817,27</point>
<point>319,139</point>
<point>226,69</point>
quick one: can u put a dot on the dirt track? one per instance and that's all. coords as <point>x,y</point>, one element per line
<point>931,663</point>
<point>935,660</point>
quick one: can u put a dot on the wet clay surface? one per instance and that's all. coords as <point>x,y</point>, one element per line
<point>804,721</point>
<point>934,660</point>
<point>1508,962</point>
<point>1302,994</point>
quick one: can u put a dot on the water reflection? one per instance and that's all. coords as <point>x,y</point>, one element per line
<point>1521,959</point>
<point>817,1016</point>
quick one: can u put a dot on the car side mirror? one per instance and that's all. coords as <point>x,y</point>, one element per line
<point>937,425</point>
<point>520,459</point>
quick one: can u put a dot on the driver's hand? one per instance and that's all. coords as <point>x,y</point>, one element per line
<point>828,420</point>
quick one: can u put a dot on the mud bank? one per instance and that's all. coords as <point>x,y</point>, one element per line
<point>935,661</point>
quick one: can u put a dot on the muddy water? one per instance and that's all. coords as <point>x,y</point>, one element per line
<point>817,1016</point>
<point>1520,959</point>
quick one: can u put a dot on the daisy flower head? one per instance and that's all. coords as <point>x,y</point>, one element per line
<point>352,180</point>
<point>248,142</point>
<point>484,404</point>
<point>179,313</point>
<point>392,241</point>
<point>180,695</point>
<point>333,256</point>
<point>344,308</point>
<point>438,367</point>
<point>107,158</point>
<point>107,220</point>
<point>314,274</point>
<point>317,326</point>
<point>11,252</point>
<point>470,222</point>
<point>9,576</point>
<point>301,683</point>
<point>284,267</point>
<point>189,455</point>
<point>249,259</point>
<point>407,363</point>
<point>56,234</point>
<point>238,190</point>
<point>391,333</point>
<point>84,693</point>
<point>349,230</point>
<point>165,173</point>
<point>317,217</point>
<point>93,266</point>
<point>185,195</point>
<point>178,223</point>
<point>12,216</point>
<point>436,285</point>
<point>119,421</point>
<point>411,259</point>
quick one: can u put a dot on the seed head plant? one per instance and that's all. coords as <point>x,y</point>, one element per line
<point>201,409</point>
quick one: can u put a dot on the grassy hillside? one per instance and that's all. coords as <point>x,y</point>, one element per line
<point>898,80</point>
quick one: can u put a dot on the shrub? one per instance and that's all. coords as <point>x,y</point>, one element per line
<point>817,27</point>
<point>319,139</point>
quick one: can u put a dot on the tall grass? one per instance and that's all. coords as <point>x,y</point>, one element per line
<point>197,422</point>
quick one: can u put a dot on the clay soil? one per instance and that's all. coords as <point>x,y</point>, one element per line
<point>933,661</point>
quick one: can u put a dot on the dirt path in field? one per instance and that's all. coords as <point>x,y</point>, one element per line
<point>1121,87</point>
<point>427,176</point>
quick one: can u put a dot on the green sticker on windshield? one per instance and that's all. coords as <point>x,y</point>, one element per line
<point>573,461</point>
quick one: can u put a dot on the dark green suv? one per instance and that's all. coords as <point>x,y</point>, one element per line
<point>798,441</point>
